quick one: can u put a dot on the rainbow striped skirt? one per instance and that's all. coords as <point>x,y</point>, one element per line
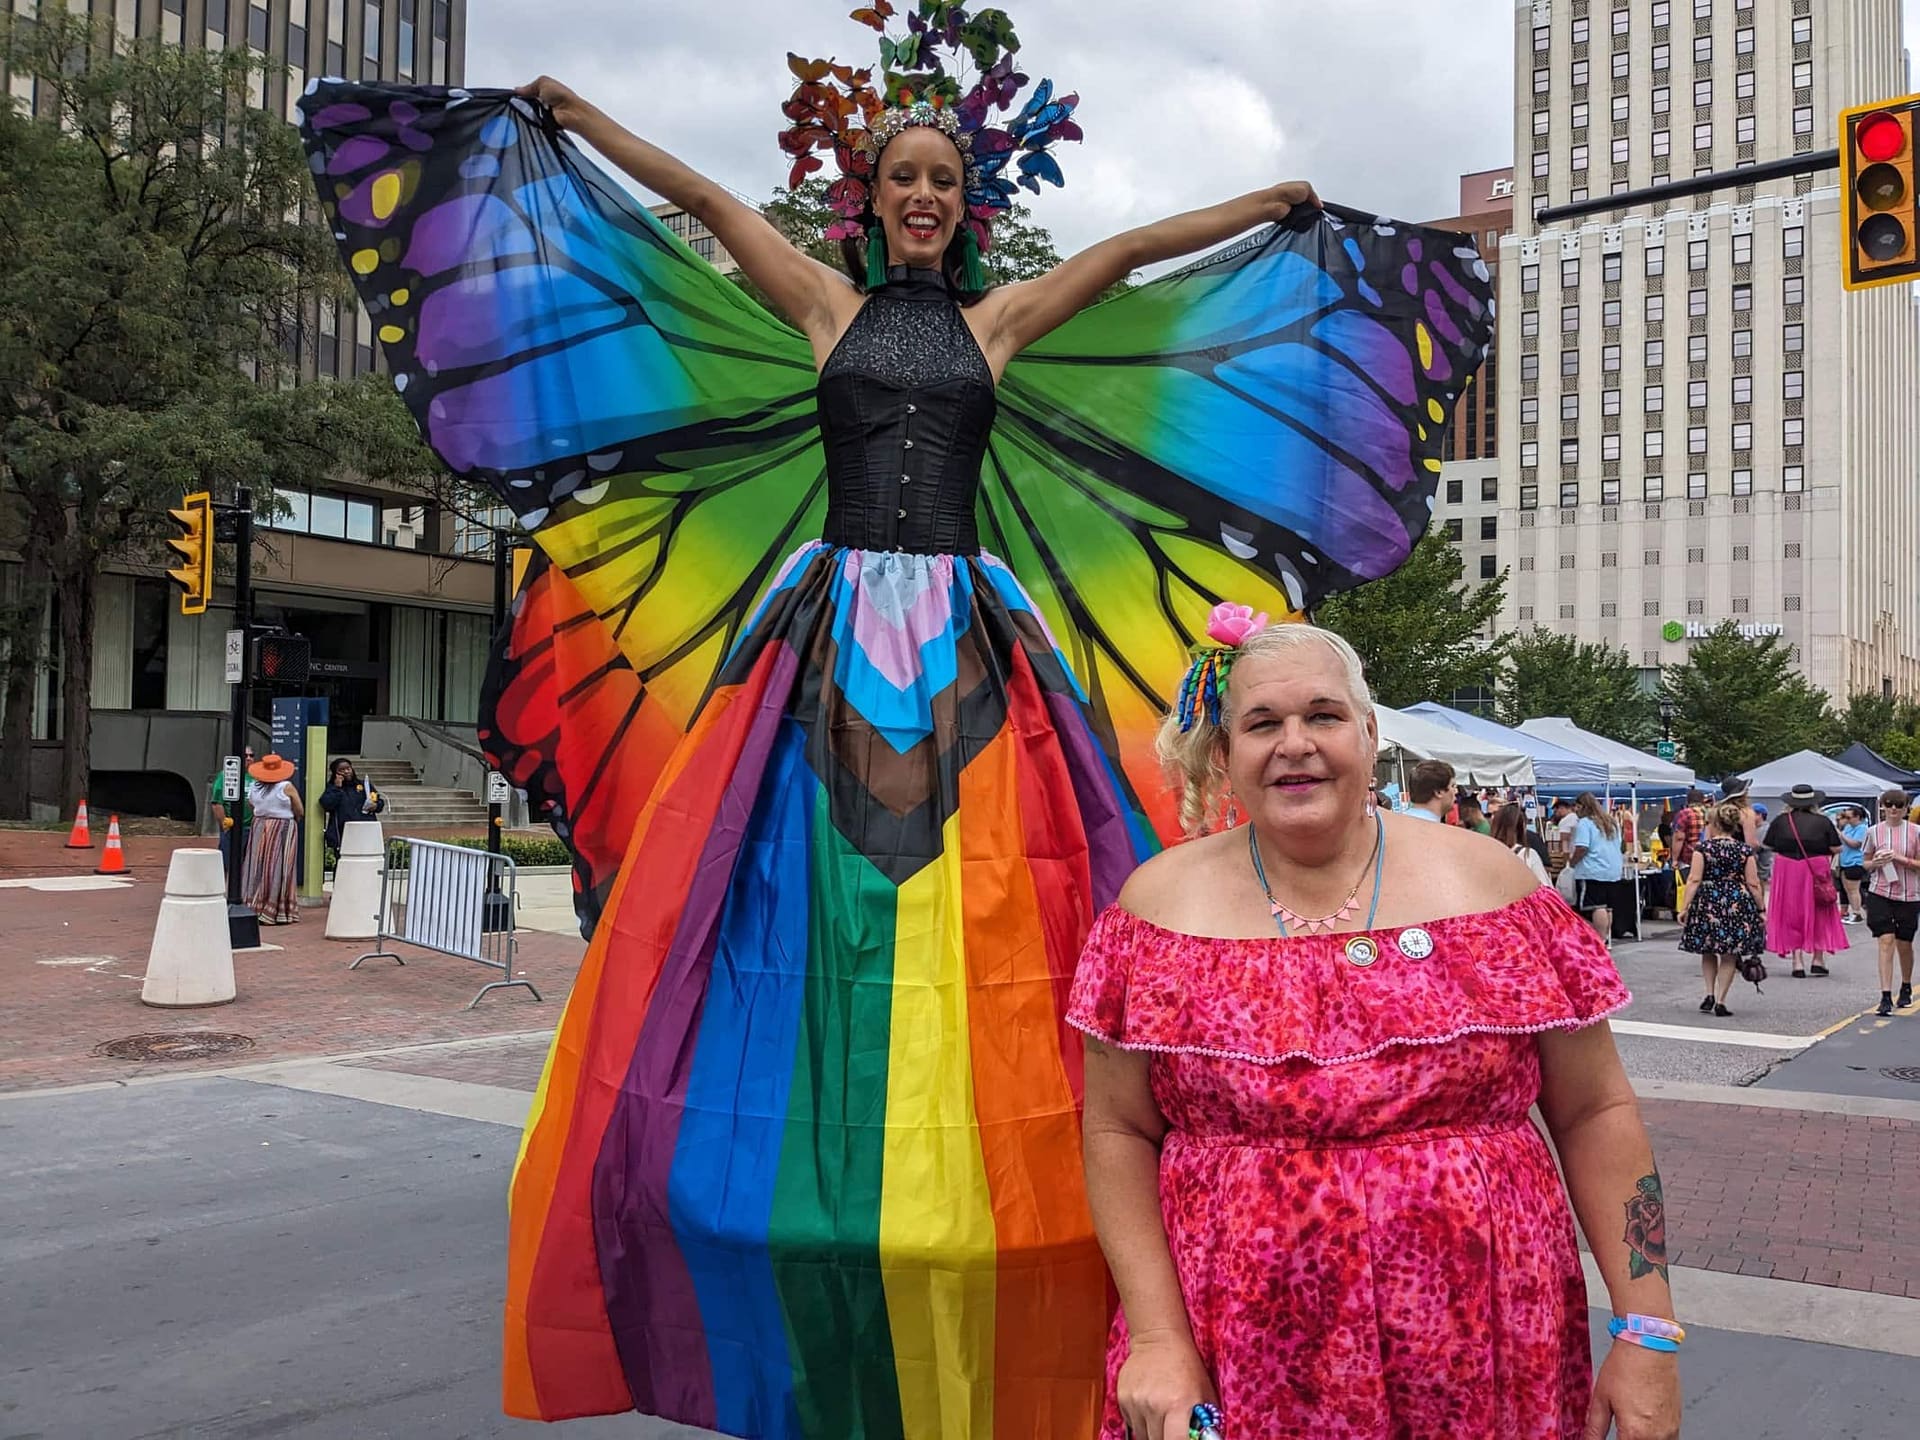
<point>805,1158</point>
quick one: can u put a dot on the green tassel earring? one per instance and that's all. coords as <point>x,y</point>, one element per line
<point>876,256</point>
<point>973,275</point>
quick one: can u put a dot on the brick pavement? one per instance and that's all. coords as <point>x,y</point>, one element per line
<point>295,1002</point>
<point>1791,1194</point>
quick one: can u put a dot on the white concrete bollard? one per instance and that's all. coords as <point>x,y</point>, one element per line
<point>191,962</point>
<point>355,911</point>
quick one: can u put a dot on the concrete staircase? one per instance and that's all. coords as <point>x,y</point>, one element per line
<point>413,805</point>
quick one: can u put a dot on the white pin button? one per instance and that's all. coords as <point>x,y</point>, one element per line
<point>1362,951</point>
<point>1415,943</point>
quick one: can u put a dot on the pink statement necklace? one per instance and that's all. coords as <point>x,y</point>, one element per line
<point>1287,919</point>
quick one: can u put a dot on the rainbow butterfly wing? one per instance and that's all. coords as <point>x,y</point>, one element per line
<point>649,424</point>
<point>1263,426</point>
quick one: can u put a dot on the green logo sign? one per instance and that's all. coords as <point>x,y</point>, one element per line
<point>1665,750</point>
<point>1673,630</point>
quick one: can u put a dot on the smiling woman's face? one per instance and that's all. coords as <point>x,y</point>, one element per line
<point>1300,750</point>
<point>920,196</point>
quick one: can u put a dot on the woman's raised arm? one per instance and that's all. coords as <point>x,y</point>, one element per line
<point>813,296</point>
<point>1021,313</point>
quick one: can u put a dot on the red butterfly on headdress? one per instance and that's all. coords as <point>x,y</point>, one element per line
<point>875,15</point>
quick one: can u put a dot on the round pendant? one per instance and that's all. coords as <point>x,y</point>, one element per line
<point>1362,950</point>
<point>1415,943</point>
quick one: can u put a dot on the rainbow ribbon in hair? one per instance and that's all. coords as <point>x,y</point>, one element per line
<point>1229,626</point>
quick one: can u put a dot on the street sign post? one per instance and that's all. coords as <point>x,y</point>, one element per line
<point>230,780</point>
<point>236,655</point>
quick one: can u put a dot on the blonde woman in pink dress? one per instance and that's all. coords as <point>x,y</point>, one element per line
<point>1314,1041</point>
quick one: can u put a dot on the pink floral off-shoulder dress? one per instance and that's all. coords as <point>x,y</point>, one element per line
<point>1370,1233</point>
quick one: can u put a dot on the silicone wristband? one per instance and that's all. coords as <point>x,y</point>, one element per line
<point>1648,1331</point>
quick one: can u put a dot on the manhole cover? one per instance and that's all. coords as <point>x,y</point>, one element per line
<point>179,1045</point>
<point>1909,1073</point>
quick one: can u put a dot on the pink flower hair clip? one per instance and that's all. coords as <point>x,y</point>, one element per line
<point>1229,626</point>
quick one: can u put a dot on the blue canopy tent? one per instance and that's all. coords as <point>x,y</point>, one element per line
<point>1859,757</point>
<point>1556,769</point>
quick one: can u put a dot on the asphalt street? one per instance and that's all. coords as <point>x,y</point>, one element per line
<point>215,1258</point>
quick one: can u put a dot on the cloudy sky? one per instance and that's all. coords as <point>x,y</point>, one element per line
<point>1383,104</point>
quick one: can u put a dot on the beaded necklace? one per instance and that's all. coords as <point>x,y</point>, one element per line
<point>1376,862</point>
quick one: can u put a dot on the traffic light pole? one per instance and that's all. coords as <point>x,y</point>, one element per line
<point>243,925</point>
<point>1811,163</point>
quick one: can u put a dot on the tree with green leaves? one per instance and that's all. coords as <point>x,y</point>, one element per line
<point>1739,703</point>
<point>1420,630</point>
<point>1888,724</point>
<point>158,250</point>
<point>1595,686</point>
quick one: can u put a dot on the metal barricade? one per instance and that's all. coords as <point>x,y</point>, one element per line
<point>452,899</point>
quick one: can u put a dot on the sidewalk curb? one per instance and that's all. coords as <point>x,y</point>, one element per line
<point>1810,1101</point>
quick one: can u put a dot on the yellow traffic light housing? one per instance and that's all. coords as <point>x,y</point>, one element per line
<point>1879,204</point>
<point>194,575</point>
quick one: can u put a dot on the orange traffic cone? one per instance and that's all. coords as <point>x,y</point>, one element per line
<point>113,860</point>
<point>80,839</point>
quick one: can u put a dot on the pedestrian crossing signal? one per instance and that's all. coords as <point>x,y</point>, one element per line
<point>194,575</point>
<point>1879,206</point>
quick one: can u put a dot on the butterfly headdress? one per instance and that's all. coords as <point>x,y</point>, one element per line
<point>853,115</point>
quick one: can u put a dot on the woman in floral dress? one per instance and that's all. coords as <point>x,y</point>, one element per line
<point>1309,1156</point>
<point>1721,921</point>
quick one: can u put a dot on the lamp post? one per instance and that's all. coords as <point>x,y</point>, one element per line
<point>1666,718</point>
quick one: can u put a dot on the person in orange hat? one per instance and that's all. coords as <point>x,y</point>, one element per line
<point>273,841</point>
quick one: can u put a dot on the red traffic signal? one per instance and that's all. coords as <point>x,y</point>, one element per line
<point>1879,216</point>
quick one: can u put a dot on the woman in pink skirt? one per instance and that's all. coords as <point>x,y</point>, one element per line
<point>273,842</point>
<point>1315,1039</point>
<point>1803,904</point>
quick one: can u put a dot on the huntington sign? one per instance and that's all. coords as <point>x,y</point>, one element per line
<point>1674,631</point>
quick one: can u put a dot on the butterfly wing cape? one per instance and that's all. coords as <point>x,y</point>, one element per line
<point>1262,426</point>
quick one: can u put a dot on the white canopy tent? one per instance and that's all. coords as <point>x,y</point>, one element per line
<point>1409,739</point>
<point>1770,783</point>
<point>1627,768</point>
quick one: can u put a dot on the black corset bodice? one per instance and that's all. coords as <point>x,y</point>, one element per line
<point>906,406</point>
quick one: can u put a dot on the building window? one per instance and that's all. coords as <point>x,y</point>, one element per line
<point>1569,362</point>
<point>1743,130</point>
<point>1529,367</point>
<point>1743,248</point>
<point>1743,482</point>
<point>1621,60</point>
<point>1703,135</point>
<point>1793,290</point>
<point>1609,402</point>
<point>1579,114</point>
<point>1743,389</point>
<point>1529,279</point>
<point>1489,527</point>
<point>1702,9</point>
<point>1742,298</point>
<point>1696,255</point>
<point>1652,489</point>
<point>1696,302</point>
<point>1570,406</point>
<point>1622,108</point>
<point>1793,338</point>
<point>371,33</point>
<point>1653,445</point>
<point>1455,489</point>
<point>1793,242</point>
<point>1529,454</point>
<point>336,37</point>
<point>1541,164</point>
<point>1487,571</point>
<point>1529,324</point>
<point>1702,94</point>
<point>1793,479</point>
<point>1570,451</point>
<point>1456,529</point>
<point>1577,194</point>
<point>1529,410</point>
<point>1570,269</point>
<point>1662,56</point>
<point>1622,150</point>
<point>1803,30</point>
<point>1743,40</point>
<point>1542,121</point>
<point>1579,72</point>
<point>1696,394</point>
<point>1609,492</point>
<point>1702,49</point>
<point>1793,384</point>
<point>1662,147</point>
<point>1696,439</point>
<point>1610,359</point>
<point>257,28</point>
<point>1742,344</point>
<point>1803,74</point>
<point>1662,99</point>
<point>1610,313</point>
<point>409,43</point>
<point>1656,354</point>
<point>1621,20</point>
<point>1580,31</point>
<point>1662,13</point>
<point>1656,309</point>
<point>1742,435</point>
<point>1489,487</point>
<point>1656,399</point>
<point>1542,37</point>
<point>1697,349</point>
<point>1697,485</point>
<point>1529,497</point>
<point>1610,446</point>
<point>1610,267</point>
<point>1569,494</point>
<point>1656,260</point>
<point>1542,81</point>
<point>1793,431</point>
<point>1743,85</point>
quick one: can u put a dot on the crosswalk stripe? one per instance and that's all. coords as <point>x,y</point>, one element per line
<point>1753,1039</point>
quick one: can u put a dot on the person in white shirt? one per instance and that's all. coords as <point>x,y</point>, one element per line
<point>1430,790</point>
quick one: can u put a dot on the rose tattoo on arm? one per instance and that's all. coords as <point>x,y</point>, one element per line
<point>1646,1235</point>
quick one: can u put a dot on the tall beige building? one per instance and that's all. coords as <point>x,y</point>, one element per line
<point>1697,423</point>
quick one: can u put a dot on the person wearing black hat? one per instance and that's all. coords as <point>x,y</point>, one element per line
<point>1803,904</point>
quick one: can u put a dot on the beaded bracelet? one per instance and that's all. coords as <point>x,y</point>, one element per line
<point>1205,1423</point>
<point>1647,1331</point>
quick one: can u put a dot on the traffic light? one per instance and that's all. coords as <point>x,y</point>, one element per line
<point>194,575</point>
<point>283,659</point>
<point>1877,196</point>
